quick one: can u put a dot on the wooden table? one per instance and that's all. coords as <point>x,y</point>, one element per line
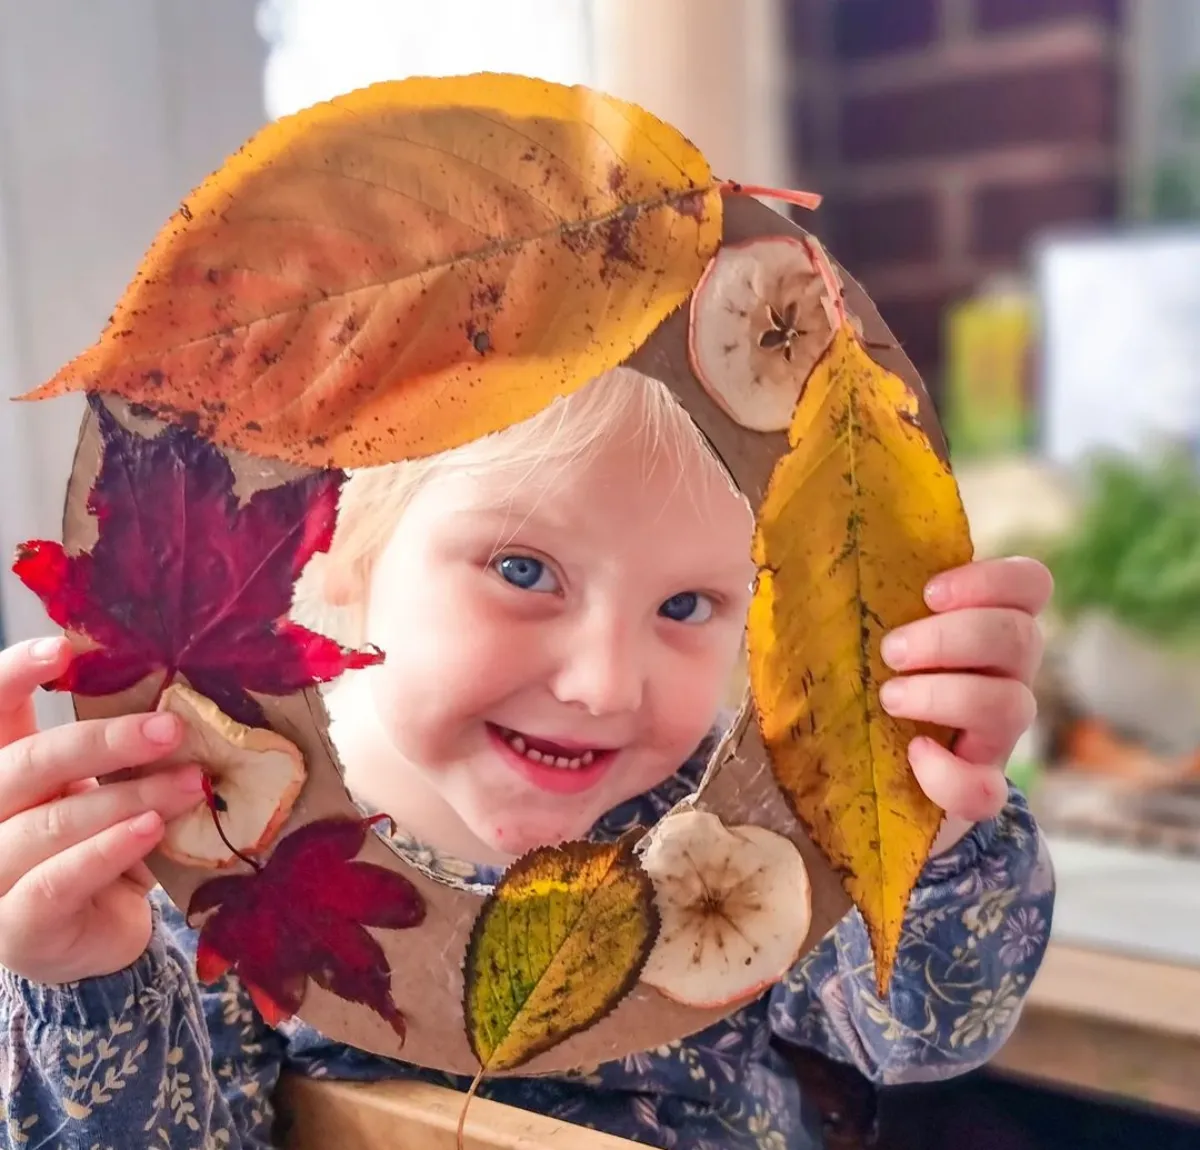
<point>1096,1022</point>
<point>1110,1024</point>
<point>323,1115</point>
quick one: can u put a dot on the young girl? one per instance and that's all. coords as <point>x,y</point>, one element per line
<point>562,606</point>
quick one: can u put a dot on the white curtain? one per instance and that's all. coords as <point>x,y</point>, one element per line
<point>320,48</point>
<point>716,69</point>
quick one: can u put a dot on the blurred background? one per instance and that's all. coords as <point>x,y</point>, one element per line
<point>1016,183</point>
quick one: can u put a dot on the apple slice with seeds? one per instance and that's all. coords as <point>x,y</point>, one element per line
<point>760,320</point>
<point>735,904</point>
<point>254,775</point>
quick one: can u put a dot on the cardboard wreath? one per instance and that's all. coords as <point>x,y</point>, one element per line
<point>394,273</point>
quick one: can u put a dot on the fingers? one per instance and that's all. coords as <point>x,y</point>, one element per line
<point>992,713</point>
<point>23,668</point>
<point>1001,641</point>
<point>141,876</point>
<point>1018,583</point>
<point>33,836</point>
<point>40,766</point>
<point>968,791</point>
<point>973,702</point>
<point>63,884</point>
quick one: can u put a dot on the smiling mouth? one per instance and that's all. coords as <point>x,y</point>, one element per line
<point>547,753</point>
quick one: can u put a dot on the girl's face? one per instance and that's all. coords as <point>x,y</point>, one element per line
<point>557,642</point>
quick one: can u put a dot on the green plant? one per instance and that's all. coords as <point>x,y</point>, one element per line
<point>1135,553</point>
<point>1175,191</point>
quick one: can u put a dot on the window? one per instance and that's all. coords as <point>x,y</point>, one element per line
<point>320,48</point>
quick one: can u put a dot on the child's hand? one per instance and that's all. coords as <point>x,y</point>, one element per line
<point>970,666</point>
<point>72,883</point>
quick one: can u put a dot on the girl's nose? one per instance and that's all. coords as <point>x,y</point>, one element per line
<point>603,668</point>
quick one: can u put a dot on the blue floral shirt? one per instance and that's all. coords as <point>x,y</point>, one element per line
<point>147,1057</point>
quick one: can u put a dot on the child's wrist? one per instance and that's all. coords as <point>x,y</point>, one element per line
<point>96,1001</point>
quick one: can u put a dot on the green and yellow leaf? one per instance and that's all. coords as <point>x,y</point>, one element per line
<point>408,267</point>
<point>559,942</point>
<point>858,516</point>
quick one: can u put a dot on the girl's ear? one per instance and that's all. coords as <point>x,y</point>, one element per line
<point>341,585</point>
<point>329,600</point>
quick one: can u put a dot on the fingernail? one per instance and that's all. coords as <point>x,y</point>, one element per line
<point>46,650</point>
<point>937,594</point>
<point>891,695</point>
<point>894,650</point>
<point>918,748</point>
<point>160,728</point>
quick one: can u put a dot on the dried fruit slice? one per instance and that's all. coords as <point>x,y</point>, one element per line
<point>256,777</point>
<point>759,323</point>
<point>735,904</point>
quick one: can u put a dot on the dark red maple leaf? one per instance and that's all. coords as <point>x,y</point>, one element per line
<point>302,916</point>
<point>187,580</point>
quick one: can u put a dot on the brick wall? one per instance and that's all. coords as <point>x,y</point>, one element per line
<point>947,133</point>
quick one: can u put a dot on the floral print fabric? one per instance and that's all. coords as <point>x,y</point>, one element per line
<point>147,1057</point>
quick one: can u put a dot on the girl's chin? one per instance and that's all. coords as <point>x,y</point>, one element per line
<point>517,838</point>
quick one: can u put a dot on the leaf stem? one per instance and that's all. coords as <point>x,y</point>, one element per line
<point>462,1118</point>
<point>821,263</point>
<point>168,679</point>
<point>809,200</point>
<point>216,805</point>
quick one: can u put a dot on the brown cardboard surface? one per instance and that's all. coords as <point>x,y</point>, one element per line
<point>427,962</point>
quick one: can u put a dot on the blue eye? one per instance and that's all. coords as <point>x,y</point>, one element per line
<point>687,607</point>
<point>526,572</point>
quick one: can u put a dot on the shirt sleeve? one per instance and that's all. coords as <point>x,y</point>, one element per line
<point>974,937</point>
<point>142,1057</point>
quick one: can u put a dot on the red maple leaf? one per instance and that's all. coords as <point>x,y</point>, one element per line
<point>302,916</point>
<point>186,579</point>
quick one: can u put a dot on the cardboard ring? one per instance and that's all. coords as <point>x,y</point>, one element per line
<point>739,787</point>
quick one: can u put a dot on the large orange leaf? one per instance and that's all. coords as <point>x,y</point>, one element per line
<point>409,267</point>
<point>857,517</point>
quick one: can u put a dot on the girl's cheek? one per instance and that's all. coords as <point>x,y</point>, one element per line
<point>702,686</point>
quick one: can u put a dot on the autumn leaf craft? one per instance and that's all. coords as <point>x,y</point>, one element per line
<point>252,780</point>
<point>390,274</point>
<point>409,267</point>
<point>859,514</point>
<point>187,580</point>
<point>735,908</point>
<point>707,915</point>
<point>558,943</point>
<point>303,916</point>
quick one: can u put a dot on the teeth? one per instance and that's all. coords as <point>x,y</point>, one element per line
<point>519,745</point>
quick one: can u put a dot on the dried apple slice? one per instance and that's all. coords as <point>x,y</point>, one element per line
<point>256,777</point>
<point>735,904</point>
<point>760,321</point>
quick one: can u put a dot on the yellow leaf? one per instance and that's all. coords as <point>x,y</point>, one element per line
<point>409,267</point>
<point>558,943</point>
<point>858,516</point>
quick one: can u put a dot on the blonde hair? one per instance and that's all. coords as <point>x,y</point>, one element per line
<point>373,500</point>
